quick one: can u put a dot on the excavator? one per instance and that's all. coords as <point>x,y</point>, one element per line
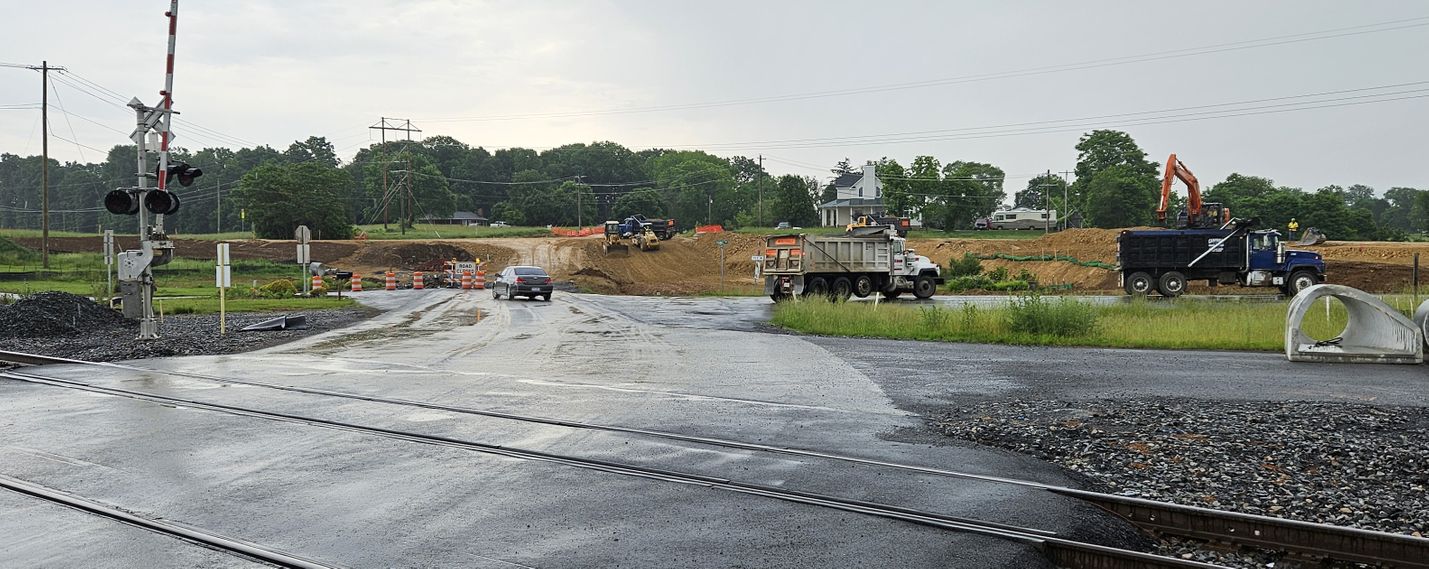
<point>1208,215</point>
<point>1197,215</point>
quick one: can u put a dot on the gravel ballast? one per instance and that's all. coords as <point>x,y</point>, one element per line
<point>1346,464</point>
<point>65,325</point>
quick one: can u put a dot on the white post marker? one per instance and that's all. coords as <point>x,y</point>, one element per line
<point>721,244</point>
<point>222,278</point>
<point>758,264</point>
<point>303,235</point>
<point>109,262</point>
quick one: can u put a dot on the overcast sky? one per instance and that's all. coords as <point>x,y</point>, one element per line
<point>541,74</point>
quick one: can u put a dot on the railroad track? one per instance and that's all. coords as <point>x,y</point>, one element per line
<point>204,538</point>
<point>1304,540</point>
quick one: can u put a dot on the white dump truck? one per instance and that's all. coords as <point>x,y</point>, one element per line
<point>867,260</point>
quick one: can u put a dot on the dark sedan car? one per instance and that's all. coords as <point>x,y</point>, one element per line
<point>526,281</point>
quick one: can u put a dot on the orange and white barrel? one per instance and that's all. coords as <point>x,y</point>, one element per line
<point>466,280</point>
<point>417,281</point>
<point>480,278</point>
<point>317,282</point>
<point>391,280</point>
<point>356,282</point>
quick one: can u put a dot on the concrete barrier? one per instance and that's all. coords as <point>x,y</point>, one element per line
<point>1374,333</point>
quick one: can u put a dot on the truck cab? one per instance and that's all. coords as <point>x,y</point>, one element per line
<point>1270,263</point>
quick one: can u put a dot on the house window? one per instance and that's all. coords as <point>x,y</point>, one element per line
<point>1044,216</point>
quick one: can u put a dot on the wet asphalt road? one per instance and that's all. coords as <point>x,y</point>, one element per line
<point>694,366</point>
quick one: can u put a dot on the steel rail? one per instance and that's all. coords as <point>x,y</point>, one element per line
<point>1306,539</point>
<point>222,543</point>
<point>1069,553</point>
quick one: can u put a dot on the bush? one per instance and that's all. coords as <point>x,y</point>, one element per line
<point>281,288</point>
<point>935,318</point>
<point>968,266</point>
<point>1032,314</point>
<point>318,292</point>
<point>998,274</point>
<point>1011,286</point>
<point>971,282</point>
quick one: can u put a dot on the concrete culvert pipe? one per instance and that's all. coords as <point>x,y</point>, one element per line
<point>1421,317</point>
<point>1374,331</point>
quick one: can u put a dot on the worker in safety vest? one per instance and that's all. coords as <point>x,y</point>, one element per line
<point>1293,226</point>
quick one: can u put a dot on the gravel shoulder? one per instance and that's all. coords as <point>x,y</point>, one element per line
<point>181,335</point>
<point>1344,464</point>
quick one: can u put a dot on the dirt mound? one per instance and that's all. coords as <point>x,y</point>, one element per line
<point>50,314</point>
<point>378,256</point>
<point>1084,244</point>
<point>1369,252</point>
<point>682,266</point>
<point>1055,273</point>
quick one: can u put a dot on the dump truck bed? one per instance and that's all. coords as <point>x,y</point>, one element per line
<point>820,254</point>
<point>1174,249</point>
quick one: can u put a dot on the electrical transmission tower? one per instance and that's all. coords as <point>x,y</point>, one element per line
<point>398,125</point>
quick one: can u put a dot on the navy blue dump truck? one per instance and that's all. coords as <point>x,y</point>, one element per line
<point>1164,260</point>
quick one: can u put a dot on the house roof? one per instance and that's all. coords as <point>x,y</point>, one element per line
<point>852,202</point>
<point>847,180</point>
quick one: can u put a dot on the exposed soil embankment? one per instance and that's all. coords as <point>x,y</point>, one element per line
<point>690,264</point>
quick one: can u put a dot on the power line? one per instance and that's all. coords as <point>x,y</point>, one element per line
<point>1408,23</point>
<point>1088,118</point>
<point>892,138</point>
<point>60,103</point>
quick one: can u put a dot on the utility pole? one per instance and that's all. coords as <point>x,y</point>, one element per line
<point>579,180</point>
<point>218,195</point>
<point>760,180</point>
<point>44,69</point>
<point>1065,184</point>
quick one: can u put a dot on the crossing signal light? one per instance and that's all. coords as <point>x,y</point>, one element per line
<point>162,202</point>
<point>182,173</point>
<point>126,202</point>
<point>121,202</point>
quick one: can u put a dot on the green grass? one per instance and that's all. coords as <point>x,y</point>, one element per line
<point>1182,324</point>
<point>11,232</point>
<point>427,231</point>
<point>84,274</point>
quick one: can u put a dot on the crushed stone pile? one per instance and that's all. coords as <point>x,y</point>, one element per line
<point>51,314</point>
<point>1339,463</point>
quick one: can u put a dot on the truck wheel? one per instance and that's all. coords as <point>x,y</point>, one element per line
<point>862,286</point>
<point>891,294</point>
<point>1171,284</point>
<point>924,287</point>
<point>842,288</point>
<point>778,297</point>
<point>1299,280</point>
<point>818,286</point>
<point>1139,284</point>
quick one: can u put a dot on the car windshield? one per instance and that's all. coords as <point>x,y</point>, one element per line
<point>529,272</point>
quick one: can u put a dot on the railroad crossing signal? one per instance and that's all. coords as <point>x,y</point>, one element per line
<point>182,173</point>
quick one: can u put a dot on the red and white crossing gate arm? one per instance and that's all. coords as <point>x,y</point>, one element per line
<point>168,95</point>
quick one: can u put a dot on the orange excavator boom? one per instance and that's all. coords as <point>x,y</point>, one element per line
<point>1175,169</point>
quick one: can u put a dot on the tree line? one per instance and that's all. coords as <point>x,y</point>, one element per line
<point>270,191</point>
